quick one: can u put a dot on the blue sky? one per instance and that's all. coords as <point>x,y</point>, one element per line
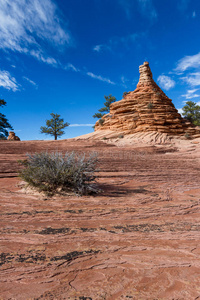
<point>63,56</point>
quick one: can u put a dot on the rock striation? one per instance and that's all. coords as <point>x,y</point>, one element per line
<point>146,109</point>
<point>13,137</point>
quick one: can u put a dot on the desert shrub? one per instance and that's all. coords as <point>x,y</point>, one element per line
<point>104,138</point>
<point>187,135</point>
<point>121,136</point>
<point>53,172</point>
<point>125,93</point>
<point>150,105</point>
<point>101,121</point>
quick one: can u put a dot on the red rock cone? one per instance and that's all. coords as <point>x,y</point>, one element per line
<point>146,109</point>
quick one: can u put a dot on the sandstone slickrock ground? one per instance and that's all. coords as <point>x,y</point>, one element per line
<point>137,239</point>
<point>146,109</point>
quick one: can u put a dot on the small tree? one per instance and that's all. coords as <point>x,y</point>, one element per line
<point>4,124</point>
<point>191,111</point>
<point>106,109</point>
<point>54,126</point>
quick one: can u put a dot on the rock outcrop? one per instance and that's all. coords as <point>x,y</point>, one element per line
<point>146,109</point>
<point>13,137</point>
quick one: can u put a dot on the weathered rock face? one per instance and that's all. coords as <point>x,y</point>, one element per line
<point>146,109</point>
<point>13,137</point>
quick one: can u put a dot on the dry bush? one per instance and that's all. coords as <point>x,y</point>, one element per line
<point>53,172</point>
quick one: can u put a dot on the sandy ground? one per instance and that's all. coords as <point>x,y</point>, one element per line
<point>137,239</point>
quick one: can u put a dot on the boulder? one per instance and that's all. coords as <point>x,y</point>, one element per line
<point>13,137</point>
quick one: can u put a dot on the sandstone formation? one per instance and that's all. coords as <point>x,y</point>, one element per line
<point>146,109</point>
<point>13,137</point>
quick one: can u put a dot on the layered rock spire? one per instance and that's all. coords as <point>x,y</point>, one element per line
<point>145,109</point>
<point>145,74</point>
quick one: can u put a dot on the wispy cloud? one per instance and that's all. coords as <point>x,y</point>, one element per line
<point>127,6</point>
<point>193,79</point>
<point>124,81</point>
<point>30,81</point>
<point>44,58</point>
<point>81,125</point>
<point>194,14</point>
<point>188,62</point>
<point>190,94</point>
<point>117,41</point>
<point>145,7</point>
<point>166,82</point>
<point>99,77</point>
<point>97,48</point>
<point>8,82</point>
<point>26,25</point>
<point>70,66</point>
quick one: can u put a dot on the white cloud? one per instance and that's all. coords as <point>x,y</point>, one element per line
<point>8,82</point>
<point>99,77</point>
<point>27,24</point>
<point>191,94</point>
<point>192,79</point>
<point>71,67</point>
<point>41,57</point>
<point>166,82</point>
<point>81,125</point>
<point>187,62</point>
<point>97,48</point>
<point>30,81</point>
<point>180,110</point>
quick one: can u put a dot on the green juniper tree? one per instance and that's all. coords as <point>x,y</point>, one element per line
<point>104,110</point>
<point>191,111</point>
<point>4,124</point>
<point>54,126</point>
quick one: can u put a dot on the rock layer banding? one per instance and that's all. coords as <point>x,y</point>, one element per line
<point>146,109</point>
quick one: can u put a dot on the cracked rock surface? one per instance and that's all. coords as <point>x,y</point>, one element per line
<point>137,239</point>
